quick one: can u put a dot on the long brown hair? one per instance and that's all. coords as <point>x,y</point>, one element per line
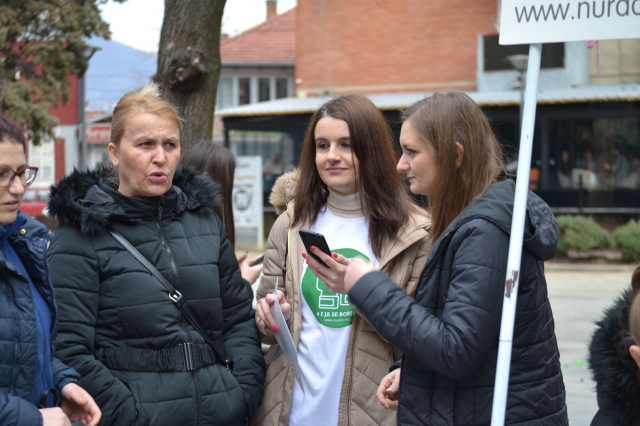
<point>220,164</point>
<point>380,188</point>
<point>441,120</point>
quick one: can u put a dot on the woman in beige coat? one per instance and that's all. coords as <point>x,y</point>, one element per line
<point>346,188</point>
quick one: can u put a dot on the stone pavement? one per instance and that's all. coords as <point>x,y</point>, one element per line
<point>578,298</point>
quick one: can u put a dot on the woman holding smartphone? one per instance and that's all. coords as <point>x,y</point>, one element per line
<point>347,189</point>
<point>448,331</point>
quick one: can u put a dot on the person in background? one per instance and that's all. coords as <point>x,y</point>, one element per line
<point>32,380</point>
<point>449,330</point>
<point>274,167</point>
<point>347,189</point>
<point>586,162</point>
<point>621,165</point>
<point>219,163</point>
<point>564,169</point>
<point>142,358</point>
<point>614,360</point>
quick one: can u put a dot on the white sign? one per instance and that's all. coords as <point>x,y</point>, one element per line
<point>536,21</point>
<point>248,212</point>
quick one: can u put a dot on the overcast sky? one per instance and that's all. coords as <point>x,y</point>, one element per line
<point>137,23</point>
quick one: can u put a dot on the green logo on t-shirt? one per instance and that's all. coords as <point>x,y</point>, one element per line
<point>330,309</point>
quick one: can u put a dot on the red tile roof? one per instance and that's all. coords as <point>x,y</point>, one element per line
<point>272,42</point>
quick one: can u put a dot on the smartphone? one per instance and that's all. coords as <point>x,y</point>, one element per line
<point>257,261</point>
<point>315,239</point>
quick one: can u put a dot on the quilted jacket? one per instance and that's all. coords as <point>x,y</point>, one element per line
<point>18,331</point>
<point>142,362</point>
<point>448,332</point>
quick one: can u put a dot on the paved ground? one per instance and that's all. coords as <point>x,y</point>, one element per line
<point>578,299</point>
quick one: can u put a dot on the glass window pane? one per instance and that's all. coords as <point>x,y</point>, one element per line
<point>244,91</point>
<point>264,89</point>
<point>29,195</point>
<point>226,92</point>
<point>495,55</point>
<point>43,195</point>
<point>282,88</point>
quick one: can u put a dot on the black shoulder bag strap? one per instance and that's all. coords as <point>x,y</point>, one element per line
<point>176,298</point>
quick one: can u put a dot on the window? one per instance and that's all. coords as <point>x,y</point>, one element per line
<point>495,55</point>
<point>235,91</point>
<point>43,196</point>
<point>282,88</point>
<point>29,195</point>
<point>42,158</point>
<point>264,89</point>
<point>244,91</point>
<point>226,92</point>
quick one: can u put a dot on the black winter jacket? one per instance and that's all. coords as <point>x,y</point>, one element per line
<point>449,330</point>
<point>18,331</point>
<point>615,372</point>
<point>118,327</point>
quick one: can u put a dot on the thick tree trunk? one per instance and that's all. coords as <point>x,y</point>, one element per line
<point>189,63</point>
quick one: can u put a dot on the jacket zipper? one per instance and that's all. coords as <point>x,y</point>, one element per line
<point>55,306</point>
<point>15,344</point>
<point>174,269</point>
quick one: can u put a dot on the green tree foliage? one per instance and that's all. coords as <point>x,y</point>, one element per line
<point>42,43</point>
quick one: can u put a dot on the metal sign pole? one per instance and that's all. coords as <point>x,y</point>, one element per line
<point>515,243</point>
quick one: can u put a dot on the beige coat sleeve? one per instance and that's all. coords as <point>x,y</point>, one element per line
<point>418,265</point>
<point>274,262</point>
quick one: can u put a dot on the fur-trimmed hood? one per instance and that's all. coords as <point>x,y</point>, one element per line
<point>89,200</point>
<point>615,372</point>
<point>284,190</point>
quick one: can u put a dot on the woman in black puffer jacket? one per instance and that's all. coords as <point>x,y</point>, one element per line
<point>614,360</point>
<point>448,331</point>
<point>141,360</point>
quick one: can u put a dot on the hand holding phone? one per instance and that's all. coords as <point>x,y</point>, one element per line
<point>250,269</point>
<point>257,261</point>
<point>315,239</point>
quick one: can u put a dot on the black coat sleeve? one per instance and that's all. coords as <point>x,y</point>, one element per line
<point>455,344</point>
<point>239,333</point>
<point>74,273</point>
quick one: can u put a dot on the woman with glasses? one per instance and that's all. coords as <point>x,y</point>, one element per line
<point>35,387</point>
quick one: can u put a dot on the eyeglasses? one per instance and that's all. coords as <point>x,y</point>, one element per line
<point>26,175</point>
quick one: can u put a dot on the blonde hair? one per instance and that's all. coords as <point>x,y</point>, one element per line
<point>441,120</point>
<point>147,100</point>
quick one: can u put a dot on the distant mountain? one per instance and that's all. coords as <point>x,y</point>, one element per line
<point>114,70</point>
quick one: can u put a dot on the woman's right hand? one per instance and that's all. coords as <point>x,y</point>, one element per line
<point>388,390</point>
<point>54,417</point>
<point>248,272</point>
<point>264,310</point>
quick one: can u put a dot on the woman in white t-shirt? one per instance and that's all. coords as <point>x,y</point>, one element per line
<point>347,189</point>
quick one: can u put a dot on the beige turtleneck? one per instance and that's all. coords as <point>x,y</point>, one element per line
<point>347,206</point>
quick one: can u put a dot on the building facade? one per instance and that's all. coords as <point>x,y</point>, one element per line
<point>587,137</point>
